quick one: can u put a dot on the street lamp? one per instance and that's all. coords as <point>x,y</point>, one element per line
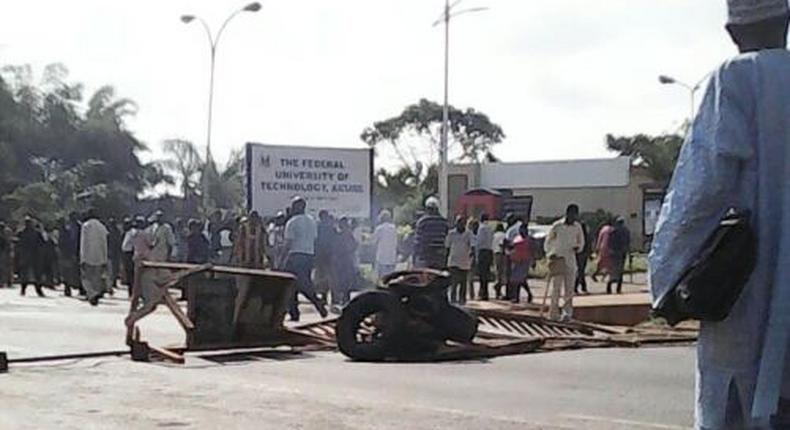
<point>668,80</point>
<point>445,18</point>
<point>213,41</point>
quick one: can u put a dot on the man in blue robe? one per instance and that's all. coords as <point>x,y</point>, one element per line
<point>737,155</point>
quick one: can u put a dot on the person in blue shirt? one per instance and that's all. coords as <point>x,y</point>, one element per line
<point>737,155</point>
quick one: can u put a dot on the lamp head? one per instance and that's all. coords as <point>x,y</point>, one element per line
<point>666,80</point>
<point>252,7</point>
<point>186,19</point>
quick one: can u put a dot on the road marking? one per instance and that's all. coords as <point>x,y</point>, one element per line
<point>625,422</point>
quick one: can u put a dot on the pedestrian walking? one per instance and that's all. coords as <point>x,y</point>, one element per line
<point>564,240</point>
<point>94,259</point>
<point>385,241</point>
<point>736,155</point>
<point>324,248</point>
<point>300,235</point>
<point>581,262</point>
<point>500,260</point>
<point>459,260</point>
<point>344,264</point>
<point>485,255</point>
<point>604,265</point>
<point>28,252</point>
<point>619,247</point>
<point>114,252</point>
<point>69,244</point>
<point>198,248</point>
<point>521,259</point>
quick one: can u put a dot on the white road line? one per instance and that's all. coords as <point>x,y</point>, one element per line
<point>624,422</point>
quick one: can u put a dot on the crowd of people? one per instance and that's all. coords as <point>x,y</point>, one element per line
<point>470,248</point>
<point>94,256</point>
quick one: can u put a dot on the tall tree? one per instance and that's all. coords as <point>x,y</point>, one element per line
<point>415,134</point>
<point>183,160</point>
<point>657,154</point>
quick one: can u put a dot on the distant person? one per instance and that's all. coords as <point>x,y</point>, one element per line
<point>249,251</point>
<point>459,260</point>
<point>737,155</point>
<point>6,252</point>
<point>249,247</point>
<point>276,238</point>
<point>323,254</point>
<point>300,235</point>
<point>604,267</point>
<point>521,259</point>
<point>198,248</point>
<point>500,260</point>
<point>162,238</point>
<point>485,255</point>
<point>135,227</point>
<point>94,260</point>
<point>472,226</point>
<point>28,251</point>
<point>343,261</point>
<point>69,244</point>
<point>114,243</point>
<point>385,241</point>
<point>213,228</point>
<point>430,236</point>
<point>564,240</point>
<point>619,247</point>
<point>48,259</point>
<point>581,262</point>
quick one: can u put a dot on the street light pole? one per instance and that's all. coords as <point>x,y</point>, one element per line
<point>445,129</point>
<point>443,159</point>
<point>213,42</point>
<point>668,80</point>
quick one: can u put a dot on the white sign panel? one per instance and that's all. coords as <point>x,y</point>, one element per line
<point>336,179</point>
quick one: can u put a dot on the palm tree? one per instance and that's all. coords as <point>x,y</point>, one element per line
<point>184,160</point>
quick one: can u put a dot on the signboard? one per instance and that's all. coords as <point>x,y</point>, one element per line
<point>336,179</point>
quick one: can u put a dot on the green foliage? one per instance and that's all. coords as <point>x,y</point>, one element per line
<point>414,135</point>
<point>657,154</point>
<point>54,147</point>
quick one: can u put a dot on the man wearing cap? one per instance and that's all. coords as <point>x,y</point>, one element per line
<point>300,235</point>
<point>430,236</point>
<point>737,155</point>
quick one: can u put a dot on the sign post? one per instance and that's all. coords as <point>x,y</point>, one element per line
<point>338,180</point>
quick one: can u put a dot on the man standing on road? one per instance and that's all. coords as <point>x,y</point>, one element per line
<point>737,155</point>
<point>300,235</point>
<point>94,259</point>
<point>429,237</point>
<point>459,260</point>
<point>619,247</point>
<point>564,240</point>
<point>29,247</point>
<point>485,255</point>
<point>385,239</point>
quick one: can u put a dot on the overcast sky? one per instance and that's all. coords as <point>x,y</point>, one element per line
<point>557,75</point>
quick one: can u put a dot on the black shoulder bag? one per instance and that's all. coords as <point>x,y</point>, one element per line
<point>710,286</point>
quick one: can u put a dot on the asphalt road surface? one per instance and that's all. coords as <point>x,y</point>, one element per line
<point>650,388</point>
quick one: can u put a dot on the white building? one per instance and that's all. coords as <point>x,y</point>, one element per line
<point>611,184</point>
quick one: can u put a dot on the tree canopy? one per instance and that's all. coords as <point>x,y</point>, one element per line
<point>414,135</point>
<point>56,150</point>
<point>657,154</point>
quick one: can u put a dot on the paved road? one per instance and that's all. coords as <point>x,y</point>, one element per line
<point>596,389</point>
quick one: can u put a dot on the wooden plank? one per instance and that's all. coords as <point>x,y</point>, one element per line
<point>168,354</point>
<point>171,304</point>
<point>229,270</point>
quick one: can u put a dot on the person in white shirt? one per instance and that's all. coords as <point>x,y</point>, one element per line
<point>385,240</point>
<point>485,255</point>
<point>459,260</point>
<point>300,234</point>
<point>500,260</point>
<point>564,240</point>
<point>94,263</point>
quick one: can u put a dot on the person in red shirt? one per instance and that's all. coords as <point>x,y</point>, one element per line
<point>521,258</point>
